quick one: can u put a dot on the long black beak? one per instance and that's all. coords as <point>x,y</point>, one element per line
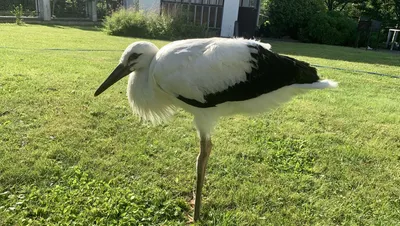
<point>119,72</point>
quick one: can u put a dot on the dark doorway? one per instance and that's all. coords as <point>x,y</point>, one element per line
<point>247,18</point>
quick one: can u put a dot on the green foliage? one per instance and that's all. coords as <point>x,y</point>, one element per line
<point>288,16</point>
<point>383,10</point>
<point>293,18</point>
<point>106,7</point>
<point>68,8</point>
<point>386,11</point>
<point>126,23</point>
<point>330,28</point>
<point>264,8</point>
<point>157,27</point>
<point>340,5</point>
<point>18,12</point>
<point>397,9</point>
<point>151,25</point>
<point>181,28</point>
<point>265,29</point>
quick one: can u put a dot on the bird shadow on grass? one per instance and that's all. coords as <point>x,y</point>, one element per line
<point>340,53</point>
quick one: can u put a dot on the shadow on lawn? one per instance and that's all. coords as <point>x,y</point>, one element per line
<point>341,53</point>
<point>80,27</point>
<point>99,28</point>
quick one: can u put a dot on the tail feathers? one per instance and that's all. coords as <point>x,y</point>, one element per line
<point>304,72</point>
<point>322,84</point>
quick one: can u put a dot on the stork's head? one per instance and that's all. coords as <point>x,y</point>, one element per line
<point>136,56</point>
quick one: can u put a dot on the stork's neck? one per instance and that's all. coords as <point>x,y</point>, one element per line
<point>146,98</point>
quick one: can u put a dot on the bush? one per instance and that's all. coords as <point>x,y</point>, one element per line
<point>151,25</point>
<point>265,29</point>
<point>18,12</point>
<point>330,28</point>
<point>286,17</point>
<point>181,28</point>
<point>126,23</point>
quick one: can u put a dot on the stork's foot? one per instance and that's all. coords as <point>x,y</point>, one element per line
<point>191,201</point>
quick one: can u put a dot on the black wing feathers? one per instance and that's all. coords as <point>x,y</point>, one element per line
<point>270,71</point>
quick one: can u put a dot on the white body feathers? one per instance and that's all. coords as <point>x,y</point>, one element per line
<point>194,68</point>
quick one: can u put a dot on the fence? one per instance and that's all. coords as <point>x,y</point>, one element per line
<point>30,7</point>
<point>200,12</point>
<point>62,8</point>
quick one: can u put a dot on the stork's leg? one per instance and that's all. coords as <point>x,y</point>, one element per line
<point>202,158</point>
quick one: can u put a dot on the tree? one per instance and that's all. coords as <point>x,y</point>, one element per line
<point>397,9</point>
<point>287,17</point>
<point>387,11</point>
<point>263,10</point>
<point>339,5</point>
<point>383,10</point>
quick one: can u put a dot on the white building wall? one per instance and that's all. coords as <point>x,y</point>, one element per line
<point>45,9</point>
<point>229,16</point>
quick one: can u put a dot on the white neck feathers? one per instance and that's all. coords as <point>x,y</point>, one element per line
<point>147,99</point>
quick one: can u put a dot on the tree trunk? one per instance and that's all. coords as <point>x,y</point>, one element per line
<point>329,5</point>
<point>344,5</point>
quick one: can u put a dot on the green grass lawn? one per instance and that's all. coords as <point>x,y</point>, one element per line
<point>328,157</point>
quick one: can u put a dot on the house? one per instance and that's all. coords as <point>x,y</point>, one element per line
<point>227,17</point>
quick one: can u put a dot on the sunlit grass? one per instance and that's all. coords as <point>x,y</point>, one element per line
<point>328,157</point>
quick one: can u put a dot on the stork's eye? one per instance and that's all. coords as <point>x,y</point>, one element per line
<point>132,60</point>
<point>133,56</point>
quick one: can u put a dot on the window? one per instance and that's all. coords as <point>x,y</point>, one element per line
<point>207,12</point>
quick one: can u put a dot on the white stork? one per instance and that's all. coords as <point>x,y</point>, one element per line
<point>209,78</point>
